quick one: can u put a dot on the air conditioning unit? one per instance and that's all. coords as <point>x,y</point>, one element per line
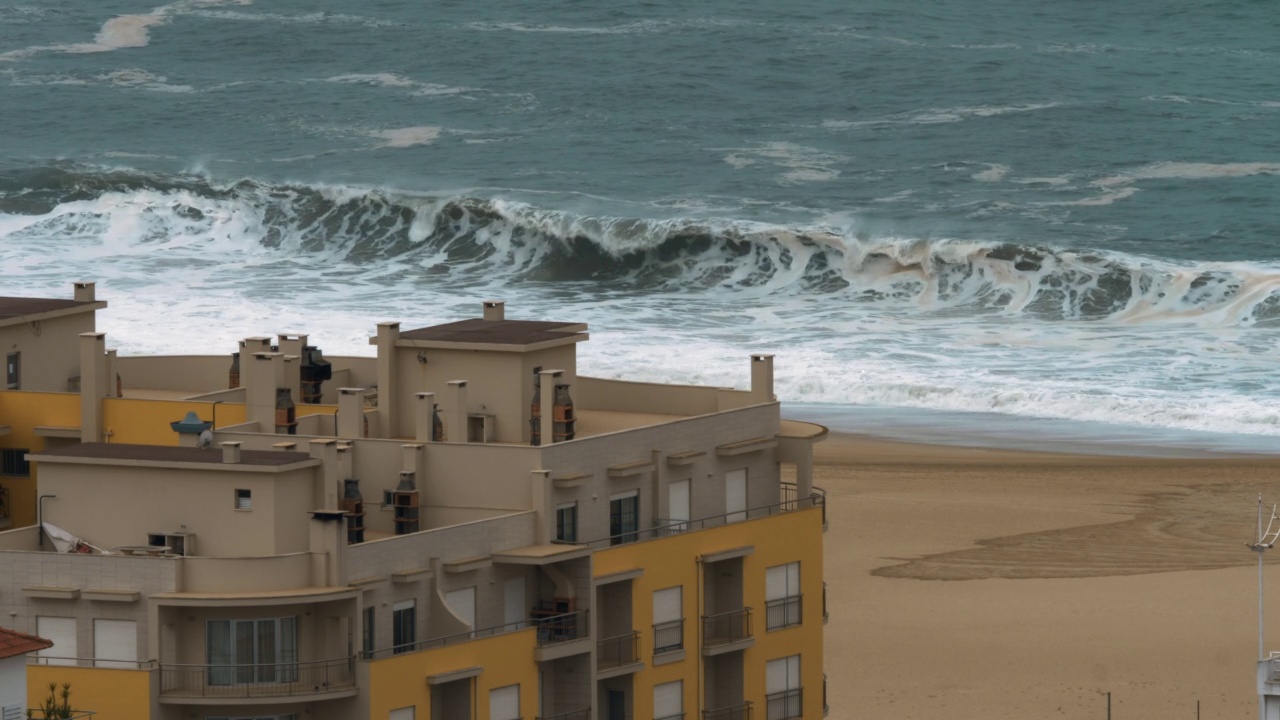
<point>179,543</point>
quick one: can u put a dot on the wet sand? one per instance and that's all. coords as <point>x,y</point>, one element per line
<point>974,584</point>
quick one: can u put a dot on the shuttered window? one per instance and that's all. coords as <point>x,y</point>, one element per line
<point>782,675</point>
<point>668,700</point>
<point>62,632</point>
<point>735,495</point>
<point>13,712</point>
<point>783,602</point>
<point>404,713</point>
<point>668,616</point>
<point>666,605</point>
<point>678,503</point>
<point>463,604</point>
<point>115,643</point>
<point>504,703</point>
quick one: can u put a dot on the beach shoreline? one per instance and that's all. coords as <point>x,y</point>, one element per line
<point>974,582</point>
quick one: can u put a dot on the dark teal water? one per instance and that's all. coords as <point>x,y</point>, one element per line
<point>1063,210</point>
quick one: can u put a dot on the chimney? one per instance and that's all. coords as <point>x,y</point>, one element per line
<point>93,379</point>
<point>328,547</point>
<point>113,374</point>
<point>293,347</point>
<point>326,451</point>
<point>231,452</point>
<point>455,426</point>
<point>388,384</point>
<point>261,374</point>
<point>544,511</point>
<point>547,386</point>
<point>411,455</point>
<point>351,413</point>
<point>423,412</point>
<point>84,291</point>
<point>762,378</point>
<point>285,446</point>
<point>495,310</point>
<point>256,344</point>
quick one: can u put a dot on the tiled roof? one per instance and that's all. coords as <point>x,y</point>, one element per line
<point>11,307</point>
<point>505,332</point>
<point>14,643</point>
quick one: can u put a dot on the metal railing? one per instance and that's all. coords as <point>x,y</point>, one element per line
<point>39,714</point>
<point>783,612</point>
<point>619,650</point>
<point>262,680</point>
<point>584,714</point>
<point>825,614</point>
<point>562,628</point>
<point>91,662</point>
<point>790,492</point>
<point>826,708</point>
<point>668,636</point>
<point>734,712</point>
<point>725,628</point>
<point>817,499</point>
<point>786,704</point>
<point>443,640</point>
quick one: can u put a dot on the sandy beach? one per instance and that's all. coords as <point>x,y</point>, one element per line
<point>973,584</point>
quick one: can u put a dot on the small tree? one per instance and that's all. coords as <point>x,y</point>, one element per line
<point>57,706</point>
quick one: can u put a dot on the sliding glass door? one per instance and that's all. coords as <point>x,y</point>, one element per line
<point>252,651</point>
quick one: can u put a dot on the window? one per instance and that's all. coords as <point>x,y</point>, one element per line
<point>404,713</point>
<point>62,631</point>
<point>244,499</point>
<point>678,506</point>
<point>668,700</point>
<point>624,517</point>
<point>367,636</point>
<point>504,703</point>
<point>115,644</point>
<point>783,600</point>
<point>735,495</point>
<point>388,499</point>
<point>782,688</point>
<point>252,651</point>
<point>668,621</point>
<point>11,368</point>
<point>462,603</point>
<point>13,462</point>
<point>290,716</point>
<point>567,522</point>
<point>403,634</point>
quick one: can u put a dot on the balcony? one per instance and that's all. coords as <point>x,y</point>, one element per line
<point>733,712</point>
<point>786,704</point>
<point>783,612</point>
<point>562,635</point>
<point>726,632</point>
<point>667,528</point>
<point>618,655</point>
<point>283,681</point>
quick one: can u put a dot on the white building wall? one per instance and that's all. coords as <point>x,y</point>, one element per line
<point>13,685</point>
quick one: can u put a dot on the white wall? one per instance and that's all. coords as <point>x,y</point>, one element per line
<point>13,682</point>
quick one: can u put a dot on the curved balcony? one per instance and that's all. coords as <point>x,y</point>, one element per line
<point>276,682</point>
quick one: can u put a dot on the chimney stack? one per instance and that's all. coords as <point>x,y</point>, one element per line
<point>231,452</point>
<point>423,414</point>
<point>547,387</point>
<point>455,426</point>
<point>84,291</point>
<point>350,413</point>
<point>326,451</point>
<point>762,378</point>
<point>93,379</point>
<point>495,310</point>
<point>388,381</point>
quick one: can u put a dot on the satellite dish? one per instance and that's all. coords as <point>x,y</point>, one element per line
<point>205,441</point>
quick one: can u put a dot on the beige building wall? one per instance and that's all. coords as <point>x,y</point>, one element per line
<point>114,506</point>
<point>498,384</point>
<point>50,350</point>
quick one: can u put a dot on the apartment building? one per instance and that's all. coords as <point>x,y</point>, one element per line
<point>472,530</point>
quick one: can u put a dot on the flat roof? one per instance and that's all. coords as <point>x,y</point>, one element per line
<point>502,335</point>
<point>19,308</point>
<point>163,454</point>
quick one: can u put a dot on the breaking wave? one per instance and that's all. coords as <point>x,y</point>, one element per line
<point>462,237</point>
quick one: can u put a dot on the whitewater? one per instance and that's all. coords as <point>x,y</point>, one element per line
<point>1005,218</point>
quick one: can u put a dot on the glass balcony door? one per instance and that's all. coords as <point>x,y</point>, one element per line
<point>252,651</point>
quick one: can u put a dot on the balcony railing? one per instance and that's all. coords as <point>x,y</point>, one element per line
<point>562,628</point>
<point>91,662</point>
<point>726,628</point>
<point>454,639</point>
<point>783,612</point>
<point>584,714</point>
<point>617,651</point>
<point>735,712</point>
<point>264,680</point>
<point>675,527</point>
<point>825,615</point>
<point>668,636</point>
<point>784,705</point>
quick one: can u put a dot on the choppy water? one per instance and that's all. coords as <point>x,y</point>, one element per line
<point>1060,210</point>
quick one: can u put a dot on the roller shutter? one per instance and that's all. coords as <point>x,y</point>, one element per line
<point>115,643</point>
<point>62,632</point>
<point>504,703</point>
<point>668,699</point>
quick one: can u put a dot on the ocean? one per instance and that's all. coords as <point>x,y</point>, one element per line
<point>1032,215</point>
